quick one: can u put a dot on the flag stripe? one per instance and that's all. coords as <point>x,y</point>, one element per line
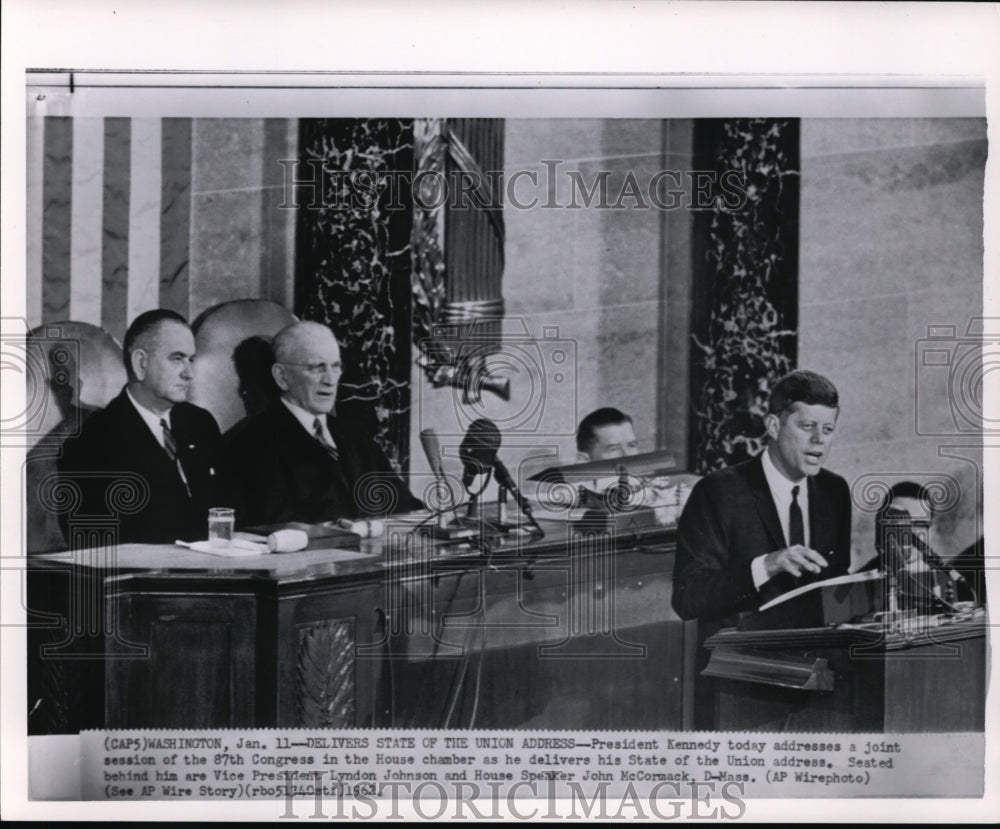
<point>114,264</point>
<point>35,156</point>
<point>175,216</point>
<point>56,196</point>
<point>86,203</point>
<point>144,217</point>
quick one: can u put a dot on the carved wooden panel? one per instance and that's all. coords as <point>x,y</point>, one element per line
<point>326,692</point>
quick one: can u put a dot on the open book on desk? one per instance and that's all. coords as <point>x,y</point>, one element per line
<point>820,603</point>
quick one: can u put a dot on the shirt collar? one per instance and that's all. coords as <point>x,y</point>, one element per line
<point>306,418</point>
<point>777,482</point>
<point>150,417</point>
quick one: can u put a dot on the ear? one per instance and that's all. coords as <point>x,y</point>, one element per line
<point>582,457</point>
<point>139,360</point>
<point>772,423</point>
<point>278,373</point>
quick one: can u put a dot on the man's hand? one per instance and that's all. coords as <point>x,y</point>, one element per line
<point>795,560</point>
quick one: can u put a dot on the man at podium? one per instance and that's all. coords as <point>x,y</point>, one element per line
<point>755,530</point>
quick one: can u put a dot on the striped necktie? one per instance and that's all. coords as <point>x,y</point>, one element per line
<point>170,444</point>
<point>331,450</point>
<point>168,440</point>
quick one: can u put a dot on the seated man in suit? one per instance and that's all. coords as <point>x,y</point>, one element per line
<point>757,529</point>
<point>605,433</point>
<point>296,461</point>
<point>149,455</point>
<point>922,574</point>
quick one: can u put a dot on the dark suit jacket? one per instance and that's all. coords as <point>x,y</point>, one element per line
<point>730,519</point>
<point>279,472</point>
<point>117,440</point>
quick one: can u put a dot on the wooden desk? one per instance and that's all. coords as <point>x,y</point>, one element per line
<point>573,630</point>
<point>930,677</point>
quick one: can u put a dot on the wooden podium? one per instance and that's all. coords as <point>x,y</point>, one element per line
<point>925,674</point>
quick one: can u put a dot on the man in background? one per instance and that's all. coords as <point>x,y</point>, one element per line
<point>922,574</point>
<point>606,433</point>
<point>296,461</point>
<point>757,529</point>
<point>148,459</point>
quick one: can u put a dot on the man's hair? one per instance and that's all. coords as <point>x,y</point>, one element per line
<point>289,337</point>
<point>802,386</point>
<point>908,489</point>
<point>586,435</point>
<point>141,326</point>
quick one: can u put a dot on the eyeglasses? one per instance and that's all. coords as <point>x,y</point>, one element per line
<point>318,369</point>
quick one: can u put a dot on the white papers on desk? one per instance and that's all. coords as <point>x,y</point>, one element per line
<point>237,548</point>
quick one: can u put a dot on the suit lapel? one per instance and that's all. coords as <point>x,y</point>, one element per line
<point>345,451</point>
<point>819,536</point>
<point>304,443</point>
<point>311,452</point>
<point>145,444</point>
<point>139,437</point>
<point>766,510</point>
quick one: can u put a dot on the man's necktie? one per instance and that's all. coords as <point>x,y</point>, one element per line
<point>796,531</point>
<point>331,450</point>
<point>170,444</point>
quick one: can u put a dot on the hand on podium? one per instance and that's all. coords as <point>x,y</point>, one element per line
<point>794,560</point>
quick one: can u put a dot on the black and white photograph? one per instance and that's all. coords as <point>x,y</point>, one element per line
<point>450,433</point>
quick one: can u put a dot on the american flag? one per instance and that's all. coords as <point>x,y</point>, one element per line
<point>109,215</point>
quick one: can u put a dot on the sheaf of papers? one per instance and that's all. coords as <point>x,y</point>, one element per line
<point>242,544</point>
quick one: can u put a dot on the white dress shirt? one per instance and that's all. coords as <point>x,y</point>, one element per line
<point>308,419</point>
<point>152,420</point>
<point>781,494</point>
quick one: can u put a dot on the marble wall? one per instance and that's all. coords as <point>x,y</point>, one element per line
<point>242,242</point>
<point>891,244</point>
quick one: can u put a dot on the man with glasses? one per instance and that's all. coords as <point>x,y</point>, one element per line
<point>296,460</point>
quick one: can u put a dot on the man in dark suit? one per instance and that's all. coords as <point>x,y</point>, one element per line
<point>757,529</point>
<point>296,461</point>
<point>148,458</point>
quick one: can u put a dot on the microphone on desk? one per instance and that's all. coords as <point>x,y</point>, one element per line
<point>907,536</point>
<point>505,479</point>
<point>932,559</point>
<point>479,455</point>
<point>432,449</point>
<point>479,449</point>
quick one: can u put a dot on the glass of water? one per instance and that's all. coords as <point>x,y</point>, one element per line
<point>220,526</point>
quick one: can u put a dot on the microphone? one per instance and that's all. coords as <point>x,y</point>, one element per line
<point>905,521</point>
<point>935,561</point>
<point>432,449</point>
<point>479,448</point>
<point>506,480</point>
